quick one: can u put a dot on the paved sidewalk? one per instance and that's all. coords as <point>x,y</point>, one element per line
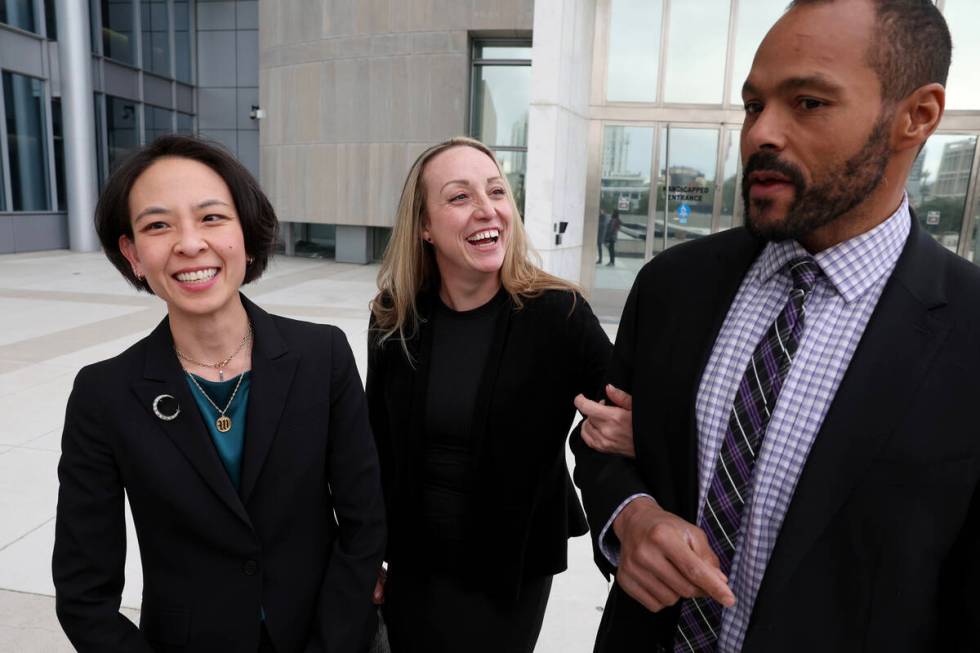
<point>60,311</point>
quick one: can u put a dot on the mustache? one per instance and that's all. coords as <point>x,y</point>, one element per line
<point>770,162</point>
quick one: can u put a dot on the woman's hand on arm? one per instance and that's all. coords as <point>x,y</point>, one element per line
<point>608,428</point>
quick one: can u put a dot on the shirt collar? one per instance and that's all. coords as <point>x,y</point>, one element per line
<point>853,266</point>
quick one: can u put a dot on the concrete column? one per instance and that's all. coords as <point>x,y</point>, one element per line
<point>353,244</point>
<point>78,118</point>
<point>558,132</point>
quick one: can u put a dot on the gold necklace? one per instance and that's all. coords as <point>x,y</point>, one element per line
<point>220,365</point>
<point>223,423</point>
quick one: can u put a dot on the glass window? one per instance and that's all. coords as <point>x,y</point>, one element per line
<point>185,123</point>
<point>514,165</point>
<point>502,98</point>
<point>634,50</point>
<point>499,111</point>
<point>317,240</point>
<point>158,122</point>
<point>93,19</point>
<point>753,21</point>
<point>156,39</point>
<point>118,30</point>
<point>624,203</point>
<point>697,37</point>
<point>504,52</point>
<point>974,253</point>
<point>690,177</point>
<point>58,136</point>
<point>122,128</point>
<point>51,20</point>
<point>100,144</point>
<point>18,13</point>
<point>730,192</point>
<point>23,99</point>
<point>182,40</point>
<point>938,183</point>
<point>963,17</point>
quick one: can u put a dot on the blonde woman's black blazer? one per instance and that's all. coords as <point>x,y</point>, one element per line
<point>301,540</point>
<point>524,507</point>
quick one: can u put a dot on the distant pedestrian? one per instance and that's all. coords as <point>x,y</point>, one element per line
<point>600,239</point>
<point>612,233</point>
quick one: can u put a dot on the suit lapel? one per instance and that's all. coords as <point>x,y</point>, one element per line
<point>272,376</point>
<point>163,375</point>
<point>895,352</point>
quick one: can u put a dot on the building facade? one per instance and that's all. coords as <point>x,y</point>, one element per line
<point>594,107</point>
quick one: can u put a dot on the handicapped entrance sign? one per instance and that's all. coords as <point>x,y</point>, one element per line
<point>683,211</point>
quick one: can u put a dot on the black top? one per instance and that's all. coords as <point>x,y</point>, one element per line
<point>460,345</point>
<point>521,506</point>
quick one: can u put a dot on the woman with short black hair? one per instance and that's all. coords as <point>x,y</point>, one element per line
<point>240,438</point>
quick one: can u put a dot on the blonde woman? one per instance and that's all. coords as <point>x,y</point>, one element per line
<point>475,358</point>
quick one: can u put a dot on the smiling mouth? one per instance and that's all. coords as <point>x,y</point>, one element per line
<point>485,237</point>
<point>196,276</point>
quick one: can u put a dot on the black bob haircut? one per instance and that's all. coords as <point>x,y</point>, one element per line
<point>911,46</point>
<point>255,212</point>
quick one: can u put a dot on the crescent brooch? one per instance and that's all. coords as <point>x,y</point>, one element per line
<point>166,408</point>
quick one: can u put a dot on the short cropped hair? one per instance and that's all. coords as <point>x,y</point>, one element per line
<point>911,46</point>
<point>255,212</point>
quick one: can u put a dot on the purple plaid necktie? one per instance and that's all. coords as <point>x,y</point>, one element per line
<point>700,621</point>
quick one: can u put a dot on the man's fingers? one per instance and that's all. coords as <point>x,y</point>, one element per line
<point>595,410</point>
<point>703,575</point>
<point>590,435</point>
<point>586,406</point>
<point>629,583</point>
<point>619,397</point>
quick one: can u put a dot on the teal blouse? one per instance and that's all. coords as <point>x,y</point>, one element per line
<point>229,445</point>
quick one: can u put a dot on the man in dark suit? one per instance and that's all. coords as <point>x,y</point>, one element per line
<point>806,457</point>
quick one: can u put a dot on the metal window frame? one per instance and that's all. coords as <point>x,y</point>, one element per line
<point>48,148</point>
<point>970,204</point>
<point>477,42</point>
<point>8,201</point>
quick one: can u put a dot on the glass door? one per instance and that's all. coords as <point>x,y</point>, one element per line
<point>657,189</point>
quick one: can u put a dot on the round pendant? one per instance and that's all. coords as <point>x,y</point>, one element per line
<point>223,423</point>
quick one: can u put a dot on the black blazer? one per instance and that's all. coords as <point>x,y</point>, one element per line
<point>879,548</point>
<point>524,507</point>
<point>302,540</point>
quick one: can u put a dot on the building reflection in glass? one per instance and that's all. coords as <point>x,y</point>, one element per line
<point>938,184</point>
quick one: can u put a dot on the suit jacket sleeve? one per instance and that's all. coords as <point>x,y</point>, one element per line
<point>90,531</point>
<point>378,411</point>
<point>346,613</point>
<point>606,480</point>
<point>959,599</point>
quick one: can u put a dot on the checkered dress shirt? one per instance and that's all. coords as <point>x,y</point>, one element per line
<point>855,273</point>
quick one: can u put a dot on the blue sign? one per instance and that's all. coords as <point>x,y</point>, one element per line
<point>683,211</point>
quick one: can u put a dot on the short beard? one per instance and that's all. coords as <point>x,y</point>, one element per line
<point>823,202</point>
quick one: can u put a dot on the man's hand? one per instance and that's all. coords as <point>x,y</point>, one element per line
<point>664,558</point>
<point>608,428</point>
<point>379,587</point>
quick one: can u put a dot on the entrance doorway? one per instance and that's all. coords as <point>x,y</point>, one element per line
<point>661,185</point>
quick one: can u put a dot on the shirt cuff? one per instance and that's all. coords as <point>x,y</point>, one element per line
<point>608,543</point>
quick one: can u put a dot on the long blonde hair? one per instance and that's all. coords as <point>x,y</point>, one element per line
<point>409,263</point>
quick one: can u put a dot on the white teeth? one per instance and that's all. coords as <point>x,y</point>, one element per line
<point>484,235</point>
<point>197,275</point>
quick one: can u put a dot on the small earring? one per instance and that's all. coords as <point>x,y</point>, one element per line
<point>250,260</point>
